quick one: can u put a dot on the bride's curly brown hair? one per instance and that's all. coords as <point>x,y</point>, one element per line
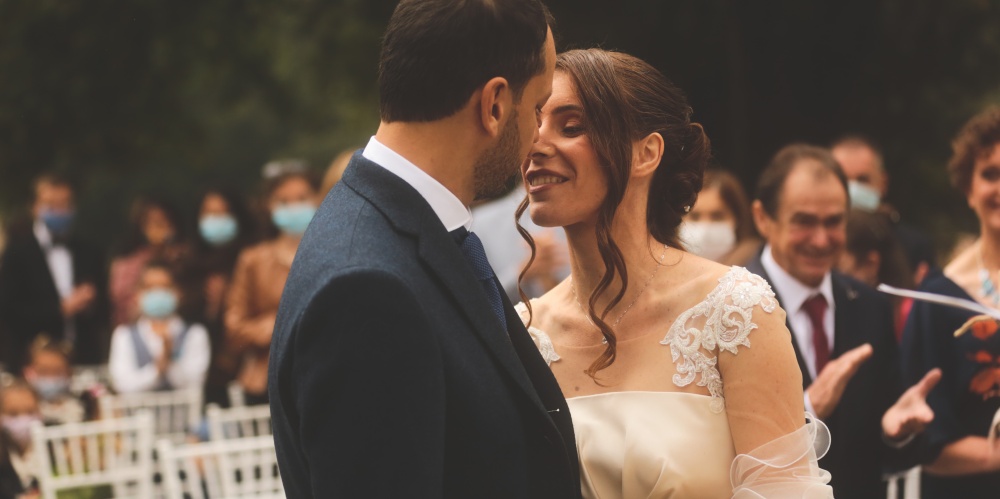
<point>624,100</point>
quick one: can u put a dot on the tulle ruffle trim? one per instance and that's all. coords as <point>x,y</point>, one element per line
<point>786,467</point>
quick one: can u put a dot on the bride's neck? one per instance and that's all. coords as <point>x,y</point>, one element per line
<point>639,250</point>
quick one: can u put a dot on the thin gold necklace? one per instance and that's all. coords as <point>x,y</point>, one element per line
<point>659,263</point>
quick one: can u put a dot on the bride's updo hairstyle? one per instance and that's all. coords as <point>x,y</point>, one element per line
<point>624,100</point>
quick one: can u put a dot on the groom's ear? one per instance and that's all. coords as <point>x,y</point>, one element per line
<point>495,104</point>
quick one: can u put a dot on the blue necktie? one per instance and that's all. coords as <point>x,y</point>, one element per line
<point>472,250</point>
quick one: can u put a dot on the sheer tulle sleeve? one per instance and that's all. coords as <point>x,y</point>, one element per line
<point>786,467</point>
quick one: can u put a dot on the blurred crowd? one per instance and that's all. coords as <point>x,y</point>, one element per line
<point>192,303</point>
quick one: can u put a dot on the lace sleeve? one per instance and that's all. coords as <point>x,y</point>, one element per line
<point>786,467</point>
<point>541,339</point>
<point>721,322</point>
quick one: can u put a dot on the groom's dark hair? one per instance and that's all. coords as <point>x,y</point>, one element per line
<point>436,53</point>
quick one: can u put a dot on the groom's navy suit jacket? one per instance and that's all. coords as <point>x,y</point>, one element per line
<point>390,375</point>
<point>858,456</point>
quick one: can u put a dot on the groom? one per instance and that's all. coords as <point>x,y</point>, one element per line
<point>398,366</point>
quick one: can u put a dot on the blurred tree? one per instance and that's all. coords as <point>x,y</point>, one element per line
<point>149,95</point>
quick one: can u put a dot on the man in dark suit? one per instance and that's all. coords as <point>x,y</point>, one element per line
<point>842,330</point>
<point>398,367</point>
<point>51,282</point>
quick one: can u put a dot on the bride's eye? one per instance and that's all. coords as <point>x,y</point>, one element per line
<point>572,129</point>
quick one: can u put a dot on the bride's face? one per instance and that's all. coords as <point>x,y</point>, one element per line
<point>563,174</point>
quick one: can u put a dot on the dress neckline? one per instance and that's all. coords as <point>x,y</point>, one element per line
<point>707,398</point>
<point>682,314</point>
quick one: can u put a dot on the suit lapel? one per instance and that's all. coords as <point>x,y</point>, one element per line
<point>42,263</point>
<point>442,256</point>
<point>848,332</point>
<point>757,267</point>
<point>409,213</point>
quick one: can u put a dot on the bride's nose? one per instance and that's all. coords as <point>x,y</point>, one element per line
<point>542,147</point>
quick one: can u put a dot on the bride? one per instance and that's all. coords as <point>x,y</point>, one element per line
<point>679,372</point>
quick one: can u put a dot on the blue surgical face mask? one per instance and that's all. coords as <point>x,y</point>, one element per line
<point>293,218</point>
<point>158,303</point>
<point>50,387</point>
<point>863,196</point>
<point>58,222</point>
<point>218,229</point>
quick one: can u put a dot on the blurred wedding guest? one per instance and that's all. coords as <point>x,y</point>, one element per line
<point>224,229</point>
<point>719,226</point>
<point>508,253</point>
<point>49,373</point>
<point>261,270</point>
<point>51,280</point>
<point>873,256</point>
<point>335,170</point>
<point>842,330</point>
<point>154,235</point>
<point>960,461</point>
<point>18,411</point>
<point>160,350</point>
<point>868,183</point>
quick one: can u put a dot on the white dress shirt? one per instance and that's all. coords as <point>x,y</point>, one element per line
<point>449,209</point>
<point>61,267</point>
<point>186,371</point>
<point>793,295</point>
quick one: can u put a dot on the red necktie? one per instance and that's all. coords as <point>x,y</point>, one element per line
<point>816,307</point>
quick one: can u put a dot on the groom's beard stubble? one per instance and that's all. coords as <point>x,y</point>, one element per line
<point>498,168</point>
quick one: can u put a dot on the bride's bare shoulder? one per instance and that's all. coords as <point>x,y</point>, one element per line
<point>544,308</point>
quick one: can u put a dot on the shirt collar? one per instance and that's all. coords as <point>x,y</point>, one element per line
<point>448,208</point>
<point>42,234</point>
<point>792,292</point>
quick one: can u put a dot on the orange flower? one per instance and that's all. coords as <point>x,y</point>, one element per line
<point>982,357</point>
<point>984,329</point>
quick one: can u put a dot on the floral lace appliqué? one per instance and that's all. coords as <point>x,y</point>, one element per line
<point>727,312</point>
<point>542,340</point>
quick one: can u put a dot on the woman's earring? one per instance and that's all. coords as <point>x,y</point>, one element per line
<point>687,209</point>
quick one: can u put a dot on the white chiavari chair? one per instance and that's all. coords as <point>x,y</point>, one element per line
<point>237,397</point>
<point>176,413</point>
<point>85,377</point>
<point>221,469</point>
<point>110,452</point>
<point>909,480</point>
<point>238,422</point>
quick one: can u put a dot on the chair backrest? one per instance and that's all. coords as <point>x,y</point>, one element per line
<point>238,422</point>
<point>115,452</point>
<point>235,468</point>
<point>237,397</point>
<point>175,413</point>
<point>87,376</point>
<point>910,480</point>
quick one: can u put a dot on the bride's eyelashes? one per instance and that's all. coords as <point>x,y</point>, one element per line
<point>573,131</point>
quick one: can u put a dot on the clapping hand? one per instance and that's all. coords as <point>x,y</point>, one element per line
<point>911,414</point>
<point>828,387</point>
<point>78,301</point>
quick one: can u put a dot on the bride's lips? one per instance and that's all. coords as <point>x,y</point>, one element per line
<point>542,179</point>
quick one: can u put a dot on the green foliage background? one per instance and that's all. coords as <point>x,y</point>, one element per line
<point>154,96</point>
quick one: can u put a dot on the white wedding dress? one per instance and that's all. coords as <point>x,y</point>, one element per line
<point>673,444</point>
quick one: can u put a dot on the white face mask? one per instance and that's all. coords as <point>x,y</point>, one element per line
<point>711,240</point>
<point>863,196</point>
